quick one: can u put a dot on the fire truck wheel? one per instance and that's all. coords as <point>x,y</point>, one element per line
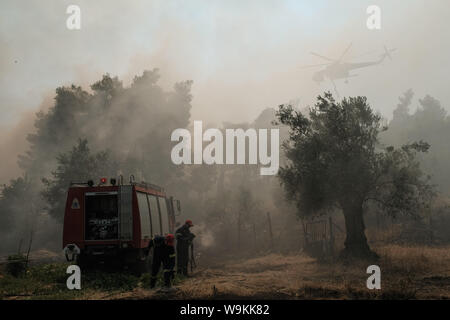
<point>82,261</point>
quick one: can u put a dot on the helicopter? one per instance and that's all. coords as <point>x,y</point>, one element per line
<point>338,69</point>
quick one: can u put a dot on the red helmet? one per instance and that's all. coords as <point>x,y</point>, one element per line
<point>189,223</point>
<point>170,239</point>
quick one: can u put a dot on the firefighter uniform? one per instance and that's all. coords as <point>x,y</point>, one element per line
<point>163,253</point>
<point>170,265</point>
<point>184,240</point>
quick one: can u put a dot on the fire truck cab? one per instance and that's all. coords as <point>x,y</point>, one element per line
<point>116,222</point>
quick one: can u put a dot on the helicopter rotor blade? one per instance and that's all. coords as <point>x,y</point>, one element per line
<point>364,54</point>
<point>315,65</point>
<point>323,57</point>
<point>345,52</point>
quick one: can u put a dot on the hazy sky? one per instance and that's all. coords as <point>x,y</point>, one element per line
<point>243,56</point>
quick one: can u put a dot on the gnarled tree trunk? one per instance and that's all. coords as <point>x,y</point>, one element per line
<point>356,245</point>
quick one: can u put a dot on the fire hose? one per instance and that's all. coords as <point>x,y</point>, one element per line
<point>192,258</point>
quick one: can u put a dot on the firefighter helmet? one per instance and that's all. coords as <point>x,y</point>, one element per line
<point>189,223</point>
<point>170,239</point>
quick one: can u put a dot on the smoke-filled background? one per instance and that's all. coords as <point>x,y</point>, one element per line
<point>104,99</point>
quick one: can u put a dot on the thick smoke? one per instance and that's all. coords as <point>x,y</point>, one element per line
<point>243,58</point>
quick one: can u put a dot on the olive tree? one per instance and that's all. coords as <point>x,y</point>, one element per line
<point>335,160</point>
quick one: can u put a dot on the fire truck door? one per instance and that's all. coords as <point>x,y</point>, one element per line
<point>125,213</point>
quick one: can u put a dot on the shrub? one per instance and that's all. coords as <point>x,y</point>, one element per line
<point>16,265</point>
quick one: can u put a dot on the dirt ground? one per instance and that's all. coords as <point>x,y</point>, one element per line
<point>406,273</point>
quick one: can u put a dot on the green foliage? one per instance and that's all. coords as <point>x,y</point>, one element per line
<point>55,130</point>
<point>18,204</point>
<point>50,273</point>
<point>319,149</point>
<point>16,265</point>
<point>429,122</point>
<point>132,123</point>
<point>109,281</point>
<point>399,186</point>
<point>11,201</point>
<point>335,159</point>
<point>79,164</point>
<point>144,280</point>
<point>48,281</point>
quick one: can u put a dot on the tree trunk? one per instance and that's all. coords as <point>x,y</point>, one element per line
<point>356,245</point>
<point>269,221</point>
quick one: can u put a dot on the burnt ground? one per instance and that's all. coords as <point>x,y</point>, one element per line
<point>407,273</point>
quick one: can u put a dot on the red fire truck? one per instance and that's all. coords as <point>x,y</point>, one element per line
<point>116,222</point>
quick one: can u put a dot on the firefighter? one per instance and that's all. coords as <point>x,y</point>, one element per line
<point>163,253</point>
<point>170,262</point>
<point>184,241</point>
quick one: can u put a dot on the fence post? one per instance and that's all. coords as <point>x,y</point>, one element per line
<point>270,229</point>
<point>431,228</point>
<point>20,246</point>
<point>239,229</point>
<point>305,235</point>
<point>330,221</point>
<point>254,236</point>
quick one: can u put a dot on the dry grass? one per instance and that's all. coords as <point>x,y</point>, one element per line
<point>406,273</point>
<point>415,260</point>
